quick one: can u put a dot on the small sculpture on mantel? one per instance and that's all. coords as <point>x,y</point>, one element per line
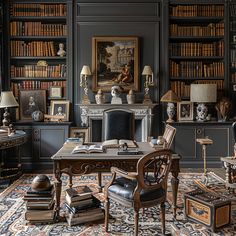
<point>100,97</point>
<point>131,97</point>
<point>115,92</point>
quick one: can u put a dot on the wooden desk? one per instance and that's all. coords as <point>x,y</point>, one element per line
<point>80,164</point>
<point>18,139</point>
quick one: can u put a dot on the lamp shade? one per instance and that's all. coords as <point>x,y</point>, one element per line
<point>170,96</point>
<point>147,70</point>
<point>8,100</point>
<point>203,93</point>
<point>85,71</point>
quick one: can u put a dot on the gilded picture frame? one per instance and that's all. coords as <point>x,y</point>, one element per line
<point>60,108</point>
<point>80,132</point>
<point>30,101</point>
<point>185,111</point>
<point>115,61</point>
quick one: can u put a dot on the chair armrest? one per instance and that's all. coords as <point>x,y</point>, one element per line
<point>123,173</point>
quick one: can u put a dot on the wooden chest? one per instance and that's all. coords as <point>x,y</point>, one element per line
<point>209,209</point>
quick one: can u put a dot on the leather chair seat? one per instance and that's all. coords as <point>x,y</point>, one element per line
<point>125,188</point>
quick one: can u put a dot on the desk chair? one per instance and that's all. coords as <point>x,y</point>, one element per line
<point>169,135</point>
<point>117,123</point>
<point>141,189</point>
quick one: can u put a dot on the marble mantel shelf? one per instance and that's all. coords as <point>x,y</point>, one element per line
<point>143,112</point>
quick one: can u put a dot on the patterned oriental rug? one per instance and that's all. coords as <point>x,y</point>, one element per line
<point>12,209</point>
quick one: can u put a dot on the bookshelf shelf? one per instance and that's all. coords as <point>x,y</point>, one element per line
<point>31,38</point>
<point>196,44</point>
<point>38,78</point>
<point>39,58</point>
<point>39,18</point>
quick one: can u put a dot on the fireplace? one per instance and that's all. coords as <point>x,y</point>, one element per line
<point>91,116</point>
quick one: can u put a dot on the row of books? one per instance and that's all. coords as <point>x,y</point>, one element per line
<point>40,206</point>
<point>82,206</point>
<point>22,28</point>
<point>212,29</point>
<point>33,49</point>
<point>197,10</point>
<point>39,71</point>
<point>196,69</point>
<point>197,49</point>
<point>35,85</point>
<point>182,89</point>
<point>34,9</point>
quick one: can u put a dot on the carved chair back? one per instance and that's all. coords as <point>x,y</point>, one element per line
<point>169,135</point>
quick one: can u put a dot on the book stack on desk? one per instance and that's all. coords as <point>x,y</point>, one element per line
<point>82,206</point>
<point>40,206</point>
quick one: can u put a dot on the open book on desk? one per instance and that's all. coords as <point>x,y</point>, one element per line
<point>113,143</point>
<point>88,149</point>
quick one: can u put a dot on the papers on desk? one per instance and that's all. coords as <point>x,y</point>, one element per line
<point>115,143</point>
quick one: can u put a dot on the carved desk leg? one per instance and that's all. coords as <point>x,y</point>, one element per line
<point>175,184</point>
<point>58,185</point>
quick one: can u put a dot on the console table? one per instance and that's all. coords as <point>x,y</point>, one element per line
<point>142,112</point>
<point>16,140</point>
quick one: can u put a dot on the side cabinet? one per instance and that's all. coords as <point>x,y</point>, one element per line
<point>185,142</point>
<point>44,140</point>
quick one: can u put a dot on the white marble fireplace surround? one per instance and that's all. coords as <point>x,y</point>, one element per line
<point>143,113</point>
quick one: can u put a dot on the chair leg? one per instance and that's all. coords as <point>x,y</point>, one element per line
<point>107,205</point>
<point>163,217</point>
<point>136,218</point>
<point>100,181</point>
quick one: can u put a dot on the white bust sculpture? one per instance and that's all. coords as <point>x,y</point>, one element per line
<point>61,52</point>
<point>115,92</point>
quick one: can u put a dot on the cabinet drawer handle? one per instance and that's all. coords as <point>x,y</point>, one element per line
<point>199,131</point>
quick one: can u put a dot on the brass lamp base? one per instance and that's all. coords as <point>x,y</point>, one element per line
<point>86,100</point>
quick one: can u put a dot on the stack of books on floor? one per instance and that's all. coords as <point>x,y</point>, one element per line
<point>82,206</point>
<point>40,206</point>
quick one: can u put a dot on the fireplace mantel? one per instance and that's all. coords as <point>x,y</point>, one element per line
<point>143,113</point>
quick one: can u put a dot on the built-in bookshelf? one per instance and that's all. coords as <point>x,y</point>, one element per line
<point>38,33</point>
<point>196,45</point>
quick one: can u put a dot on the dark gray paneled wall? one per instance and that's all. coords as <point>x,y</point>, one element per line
<point>117,18</point>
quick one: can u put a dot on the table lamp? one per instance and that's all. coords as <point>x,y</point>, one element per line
<point>85,72</point>
<point>170,97</point>
<point>7,100</point>
<point>148,82</point>
<point>201,94</point>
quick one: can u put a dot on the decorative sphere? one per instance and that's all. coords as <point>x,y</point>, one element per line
<point>41,183</point>
<point>37,116</point>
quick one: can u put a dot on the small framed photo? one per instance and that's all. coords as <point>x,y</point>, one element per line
<point>185,111</point>
<point>56,92</point>
<point>60,108</point>
<point>30,101</point>
<point>80,132</point>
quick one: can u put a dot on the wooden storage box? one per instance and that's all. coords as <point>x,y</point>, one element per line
<point>211,210</point>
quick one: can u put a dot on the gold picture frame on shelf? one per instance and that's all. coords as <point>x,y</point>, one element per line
<point>60,108</point>
<point>55,92</point>
<point>185,111</point>
<point>115,62</point>
<point>80,132</point>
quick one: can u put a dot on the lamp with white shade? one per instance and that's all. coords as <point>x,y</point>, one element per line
<point>7,100</point>
<point>201,94</point>
<point>147,70</point>
<point>85,72</point>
